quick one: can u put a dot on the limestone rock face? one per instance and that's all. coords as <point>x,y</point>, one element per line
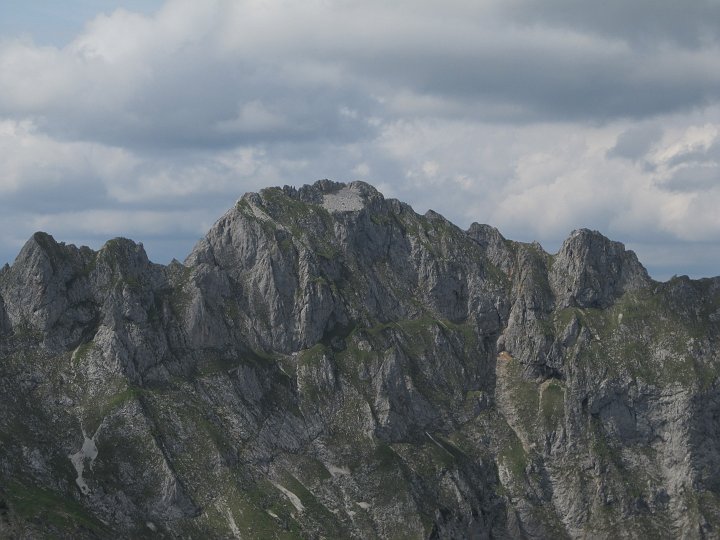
<point>591,271</point>
<point>328,363</point>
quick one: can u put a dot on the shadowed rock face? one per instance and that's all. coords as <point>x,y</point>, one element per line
<point>328,363</point>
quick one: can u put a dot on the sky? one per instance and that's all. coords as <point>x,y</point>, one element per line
<point>148,119</point>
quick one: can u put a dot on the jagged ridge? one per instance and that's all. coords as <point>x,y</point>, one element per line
<point>327,362</point>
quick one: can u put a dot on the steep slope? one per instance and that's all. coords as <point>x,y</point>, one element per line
<point>328,363</point>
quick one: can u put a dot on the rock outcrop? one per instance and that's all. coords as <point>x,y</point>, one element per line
<point>328,363</point>
<point>591,271</point>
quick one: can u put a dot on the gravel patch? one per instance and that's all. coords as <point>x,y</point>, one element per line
<point>344,200</point>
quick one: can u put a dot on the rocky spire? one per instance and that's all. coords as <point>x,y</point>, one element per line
<point>592,271</point>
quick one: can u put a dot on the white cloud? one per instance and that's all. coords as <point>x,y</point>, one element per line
<point>33,161</point>
<point>226,174</point>
<point>362,170</point>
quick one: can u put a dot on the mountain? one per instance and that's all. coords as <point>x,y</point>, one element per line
<point>327,363</point>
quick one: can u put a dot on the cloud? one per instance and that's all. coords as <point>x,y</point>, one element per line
<point>32,161</point>
<point>223,73</point>
<point>694,178</point>
<point>635,142</point>
<point>642,22</point>
<point>137,82</point>
<point>535,117</point>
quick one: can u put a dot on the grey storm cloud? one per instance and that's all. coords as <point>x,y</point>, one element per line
<point>695,178</point>
<point>635,142</point>
<point>691,24</point>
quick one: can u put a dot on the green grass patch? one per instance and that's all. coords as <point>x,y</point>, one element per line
<point>33,503</point>
<point>524,395</point>
<point>513,456</point>
<point>552,403</point>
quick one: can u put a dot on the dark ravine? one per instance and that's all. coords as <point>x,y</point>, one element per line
<point>327,363</point>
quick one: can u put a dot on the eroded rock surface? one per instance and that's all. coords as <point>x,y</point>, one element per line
<point>328,363</point>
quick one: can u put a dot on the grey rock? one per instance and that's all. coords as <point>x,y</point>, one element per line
<point>5,324</point>
<point>328,363</point>
<point>592,271</point>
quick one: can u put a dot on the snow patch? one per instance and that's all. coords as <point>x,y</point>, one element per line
<point>233,525</point>
<point>294,499</point>
<point>87,453</point>
<point>338,471</point>
<point>363,505</point>
<point>440,446</point>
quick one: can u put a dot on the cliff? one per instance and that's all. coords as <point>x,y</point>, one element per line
<point>328,363</point>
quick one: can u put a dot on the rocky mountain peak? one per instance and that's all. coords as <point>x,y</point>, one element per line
<point>124,253</point>
<point>334,196</point>
<point>592,271</point>
<point>33,286</point>
<point>493,243</point>
<point>329,363</point>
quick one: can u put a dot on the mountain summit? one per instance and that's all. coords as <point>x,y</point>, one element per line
<point>328,363</point>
